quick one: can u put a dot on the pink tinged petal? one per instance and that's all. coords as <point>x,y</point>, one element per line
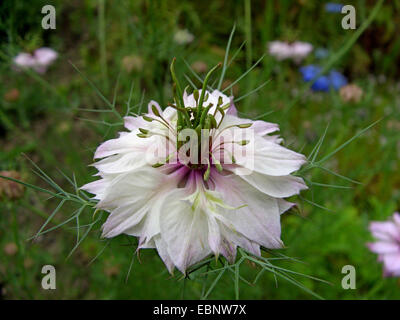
<point>259,220</point>
<point>151,224</point>
<point>231,238</point>
<point>237,239</point>
<point>189,100</point>
<point>228,250</point>
<point>396,219</point>
<point>392,263</point>
<point>45,56</point>
<point>155,104</point>
<point>185,231</point>
<point>147,245</point>
<point>215,95</point>
<point>97,187</point>
<point>133,187</point>
<point>275,186</point>
<point>270,159</point>
<point>263,128</point>
<point>134,123</point>
<point>169,113</point>
<point>382,247</point>
<point>284,205</point>
<point>123,144</point>
<point>138,198</point>
<point>162,250</point>
<point>121,163</point>
<point>275,160</point>
<point>232,120</point>
<point>123,218</point>
<point>274,139</point>
<point>214,234</point>
<point>385,229</point>
<point>381,236</point>
<point>232,109</point>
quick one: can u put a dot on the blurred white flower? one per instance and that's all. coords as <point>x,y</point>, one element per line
<point>39,61</point>
<point>189,211</point>
<point>300,50</point>
<point>279,49</point>
<point>183,36</point>
<point>283,50</point>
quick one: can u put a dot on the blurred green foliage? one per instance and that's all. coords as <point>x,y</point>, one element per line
<point>133,41</point>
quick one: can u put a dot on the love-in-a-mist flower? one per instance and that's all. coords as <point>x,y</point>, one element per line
<point>300,50</point>
<point>387,245</point>
<point>39,61</point>
<point>194,179</point>
<point>297,50</point>
<point>279,49</point>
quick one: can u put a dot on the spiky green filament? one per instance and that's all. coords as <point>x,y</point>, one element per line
<point>196,117</point>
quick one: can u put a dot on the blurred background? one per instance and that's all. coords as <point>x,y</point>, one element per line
<point>50,113</point>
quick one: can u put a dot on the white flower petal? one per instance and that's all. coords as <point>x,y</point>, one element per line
<point>121,163</point>
<point>259,220</point>
<point>185,231</point>
<point>275,186</point>
<point>162,249</point>
<point>134,123</point>
<point>275,160</point>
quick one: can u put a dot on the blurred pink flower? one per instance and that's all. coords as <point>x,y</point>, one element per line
<point>387,245</point>
<point>24,59</point>
<point>300,50</point>
<point>40,60</point>
<point>279,49</point>
<point>297,50</point>
<point>45,56</point>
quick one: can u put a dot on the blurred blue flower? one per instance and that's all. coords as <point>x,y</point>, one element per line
<point>333,80</point>
<point>333,7</point>
<point>309,72</point>
<point>337,80</point>
<point>321,84</point>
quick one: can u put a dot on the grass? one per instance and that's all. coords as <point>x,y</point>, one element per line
<point>60,118</point>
